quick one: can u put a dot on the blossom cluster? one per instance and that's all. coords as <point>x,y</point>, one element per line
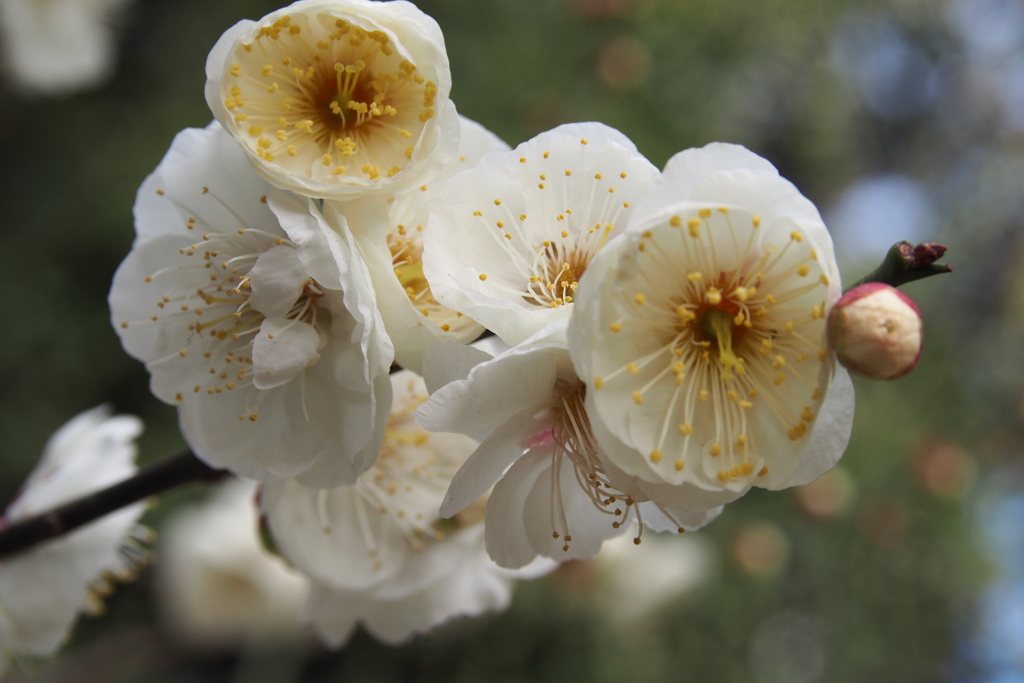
<point>659,337</point>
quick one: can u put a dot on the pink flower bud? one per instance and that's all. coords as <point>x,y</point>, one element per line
<point>876,331</point>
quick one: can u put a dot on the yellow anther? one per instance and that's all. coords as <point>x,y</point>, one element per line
<point>704,213</point>
<point>638,397</point>
<point>483,276</point>
<point>694,226</point>
<point>633,369</point>
<point>802,270</point>
<point>694,277</point>
<point>675,221</point>
<point>796,237</point>
<point>598,382</point>
<point>656,456</point>
<point>716,450</point>
<point>680,464</point>
<point>615,327</point>
<point>640,298</point>
<point>686,429</point>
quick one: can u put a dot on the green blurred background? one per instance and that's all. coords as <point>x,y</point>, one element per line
<point>900,119</point>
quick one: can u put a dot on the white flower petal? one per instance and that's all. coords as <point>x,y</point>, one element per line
<point>197,174</point>
<point>324,533</point>
<point>448,361</point>
<point>276,280</point>
<point>281,350</point>
<point>667,520</point>
<point>830,435</point>
<point>494,390</point>
<point>587,528</point>
<point>688,169</point>
<point>480,472</point>
<point>505,525</point>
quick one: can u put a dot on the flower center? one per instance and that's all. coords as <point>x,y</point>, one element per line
<point>557,272</point>
<point>324,98</point>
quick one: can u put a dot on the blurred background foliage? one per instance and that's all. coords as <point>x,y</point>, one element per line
<point>901,119</point>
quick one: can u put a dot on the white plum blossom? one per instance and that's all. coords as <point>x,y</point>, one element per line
<point>635,583</point>
<point>507,241</point>
<point>217,585</point>
<point>254,317</point>
<point>377,552</point>
<point>701,336</point>
<point>59,46</point>
<point>337,98</point>
<point>412,316</point>
<point>45,588</point>
<point>552,495</point>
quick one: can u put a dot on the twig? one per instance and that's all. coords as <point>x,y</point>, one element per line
<point>905,263</point>
<point>178,469</point>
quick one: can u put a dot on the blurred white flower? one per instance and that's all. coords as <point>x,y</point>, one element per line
<point>635,582</point>
<point>507,241</point>
<point>552,496</point>
<point>376,551</point>
<point>43,589</point>
<point>412,316</point>
<point>701,336</point>
<point>218,586</point>
<point>337,98</point>
<point>58,46</point>
<point>255,317</point>
<point>449,579</point>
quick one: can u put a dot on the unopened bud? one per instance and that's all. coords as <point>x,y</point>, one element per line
<point>876,331</point>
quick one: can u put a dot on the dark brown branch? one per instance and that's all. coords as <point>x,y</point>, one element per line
<point>178,469</point>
